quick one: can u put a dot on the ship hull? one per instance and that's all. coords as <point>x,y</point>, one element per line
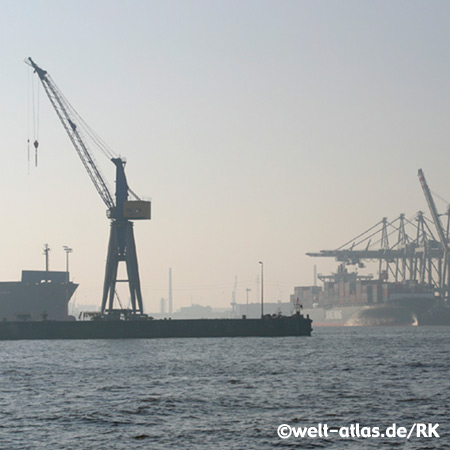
<point>296,325</point>
<point>401,313</point>
<point>39,295</point>
<point>334,316</point>
<point>349,299</point>
<point>384,315</point>
<point>439,316</point>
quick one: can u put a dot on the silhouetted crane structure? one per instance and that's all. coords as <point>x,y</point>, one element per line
<point>121,211</point>
<point>405,250</point>
<point>443,236</point>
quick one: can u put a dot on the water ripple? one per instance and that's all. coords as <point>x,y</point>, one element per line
<point>224,393</point>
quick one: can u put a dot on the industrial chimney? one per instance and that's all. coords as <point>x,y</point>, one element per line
<point>170,291</point>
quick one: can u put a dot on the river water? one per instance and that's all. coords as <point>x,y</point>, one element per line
<point>229,393</point>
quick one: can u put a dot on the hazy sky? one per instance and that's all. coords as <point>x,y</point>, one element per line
<point>260,129</point>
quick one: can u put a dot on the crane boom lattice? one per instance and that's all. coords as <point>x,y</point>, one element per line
<point>62,108</point>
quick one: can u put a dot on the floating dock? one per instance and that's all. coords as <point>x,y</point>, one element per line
<point>269,326</point>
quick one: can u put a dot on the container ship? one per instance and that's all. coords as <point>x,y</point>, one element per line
<point>412,286</point>
<point>347,298</point>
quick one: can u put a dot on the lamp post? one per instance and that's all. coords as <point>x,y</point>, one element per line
<point>262,289</point>
<point>67,250</point>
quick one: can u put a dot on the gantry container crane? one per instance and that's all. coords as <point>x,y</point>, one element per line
<point>440,230</point>
<point>121,212</point>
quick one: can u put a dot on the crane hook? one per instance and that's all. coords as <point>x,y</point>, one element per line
<point>36,145</point>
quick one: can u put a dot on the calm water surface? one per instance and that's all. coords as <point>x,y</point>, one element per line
<point>229,393</point>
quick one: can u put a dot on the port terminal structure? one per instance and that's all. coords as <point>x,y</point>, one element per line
<point>406,250</point>
<point>120,209</point>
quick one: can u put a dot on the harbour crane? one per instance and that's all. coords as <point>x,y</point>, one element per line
<point>439,229</point>
<point>121,211</point>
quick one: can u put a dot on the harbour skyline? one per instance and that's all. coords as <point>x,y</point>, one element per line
<point>260,131</point>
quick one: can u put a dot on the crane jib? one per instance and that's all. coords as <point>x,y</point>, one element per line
<point>57,100</point>
<point>122,207</point>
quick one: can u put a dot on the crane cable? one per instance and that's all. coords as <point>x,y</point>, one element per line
<point>36,124</point>
<point>30,80</point>
<point>86,130</point>
<point>82,127</point>
<point>94,137</point>
<point>33,119</point>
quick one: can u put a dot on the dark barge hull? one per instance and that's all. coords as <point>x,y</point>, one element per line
<point>296,325</point>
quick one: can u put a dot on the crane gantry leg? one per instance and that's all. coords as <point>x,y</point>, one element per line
<point>122,247</point>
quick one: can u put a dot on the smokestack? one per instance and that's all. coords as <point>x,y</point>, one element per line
<point>315,275</point>
<point>170,290</point>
